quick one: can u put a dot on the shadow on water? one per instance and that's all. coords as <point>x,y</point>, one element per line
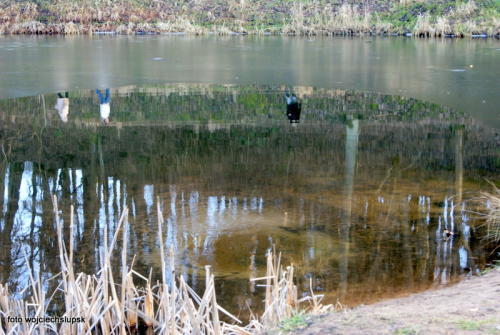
<point>356,195</point>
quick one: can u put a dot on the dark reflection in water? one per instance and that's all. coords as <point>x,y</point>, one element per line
<point>356,196</point>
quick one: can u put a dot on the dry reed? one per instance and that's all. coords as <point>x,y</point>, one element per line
<point>100,305</point>
<point>492,225</point>
<point>423,27</point>
<point>249,17</point>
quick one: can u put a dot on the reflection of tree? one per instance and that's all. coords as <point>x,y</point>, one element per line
<point>238,103</point>
<point>380,230</point>
<point>86,256</point>
<point>351,149</point>
<point>12,174</point>
<point>459,163</point>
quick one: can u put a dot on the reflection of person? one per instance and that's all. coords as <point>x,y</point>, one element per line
<point>62,106</point>
<point>104,105</point>
<point>293,109</point>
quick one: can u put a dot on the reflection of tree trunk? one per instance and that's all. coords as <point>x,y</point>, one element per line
<point>459,173</point>
<point>432,261</point>
<point>87,245</point>
<point>407,247</point>
<point>378,253</point>
<point>32,240</point>
<point>459,164</point>
<point>422,235</point>
<point>15,172</point>
<point>101,160</point>
<point>3,175</point>
<point>351,148</point>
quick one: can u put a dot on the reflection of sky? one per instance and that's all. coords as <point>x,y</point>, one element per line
<point>196,219</point>
<point>23,216</point>
<point>419,69</point>
<point>26,208</point>
<point>212,205</point>
<point>6,189</point>
<point>463,257</point>
<point>148,197</point>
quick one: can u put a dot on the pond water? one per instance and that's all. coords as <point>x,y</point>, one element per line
<point>356,195</point>
<point>435,70</point>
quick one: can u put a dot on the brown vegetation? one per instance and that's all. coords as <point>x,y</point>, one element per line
<point>107,306</point>
<point>492,226</point>
<point>307,17</point>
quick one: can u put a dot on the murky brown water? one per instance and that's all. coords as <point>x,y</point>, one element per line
<point>356,195</point>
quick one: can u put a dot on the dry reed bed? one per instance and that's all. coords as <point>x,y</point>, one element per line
<point>492,225</point>
<point>108,307</point>
<point>226,17</point>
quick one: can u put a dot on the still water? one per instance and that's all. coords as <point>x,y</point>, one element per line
<point>356,195</point>
<point>436,70</point>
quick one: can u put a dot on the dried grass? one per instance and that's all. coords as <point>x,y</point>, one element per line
<point>466,9</point>
<point>410,2</point>
<point>226,17</point>
<point>110,307</point>
<point>442,27</point>
<point>423,27</point>
<point>492,225</point>
<point>281,300</point>
<point>179,25</point>
<point>316,19</point>
<point>72,29</point>
<point>467,28</point>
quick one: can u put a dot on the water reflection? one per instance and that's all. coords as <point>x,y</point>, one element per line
<point>293,108</point>
<point>62,106</point>
<point>357,197</point>
<point>104,107</point>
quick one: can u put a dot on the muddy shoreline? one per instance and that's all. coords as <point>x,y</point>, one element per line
<point>471,306</point>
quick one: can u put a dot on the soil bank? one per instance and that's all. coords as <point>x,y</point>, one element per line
<point>470,307</point>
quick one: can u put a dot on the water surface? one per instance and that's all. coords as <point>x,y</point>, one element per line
<point>436,70</point>
<point>356,195</point>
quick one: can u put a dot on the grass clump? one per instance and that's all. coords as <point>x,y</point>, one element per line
<point>491,233</point>
<point>468,325</point>
<point>298,321</point>
<point>486,325</point>
<point>406,331</point>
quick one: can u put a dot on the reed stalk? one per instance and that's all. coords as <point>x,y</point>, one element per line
<point>492,224</point>
<point>106,307</point>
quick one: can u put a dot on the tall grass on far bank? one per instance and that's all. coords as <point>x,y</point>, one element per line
<point>106,306</point>
<point>423,18</point>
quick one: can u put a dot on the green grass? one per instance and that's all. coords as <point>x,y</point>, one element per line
<point>488,325</point>
<point>298,321</point>
<point>406,331</point>
<point>488,269</point>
